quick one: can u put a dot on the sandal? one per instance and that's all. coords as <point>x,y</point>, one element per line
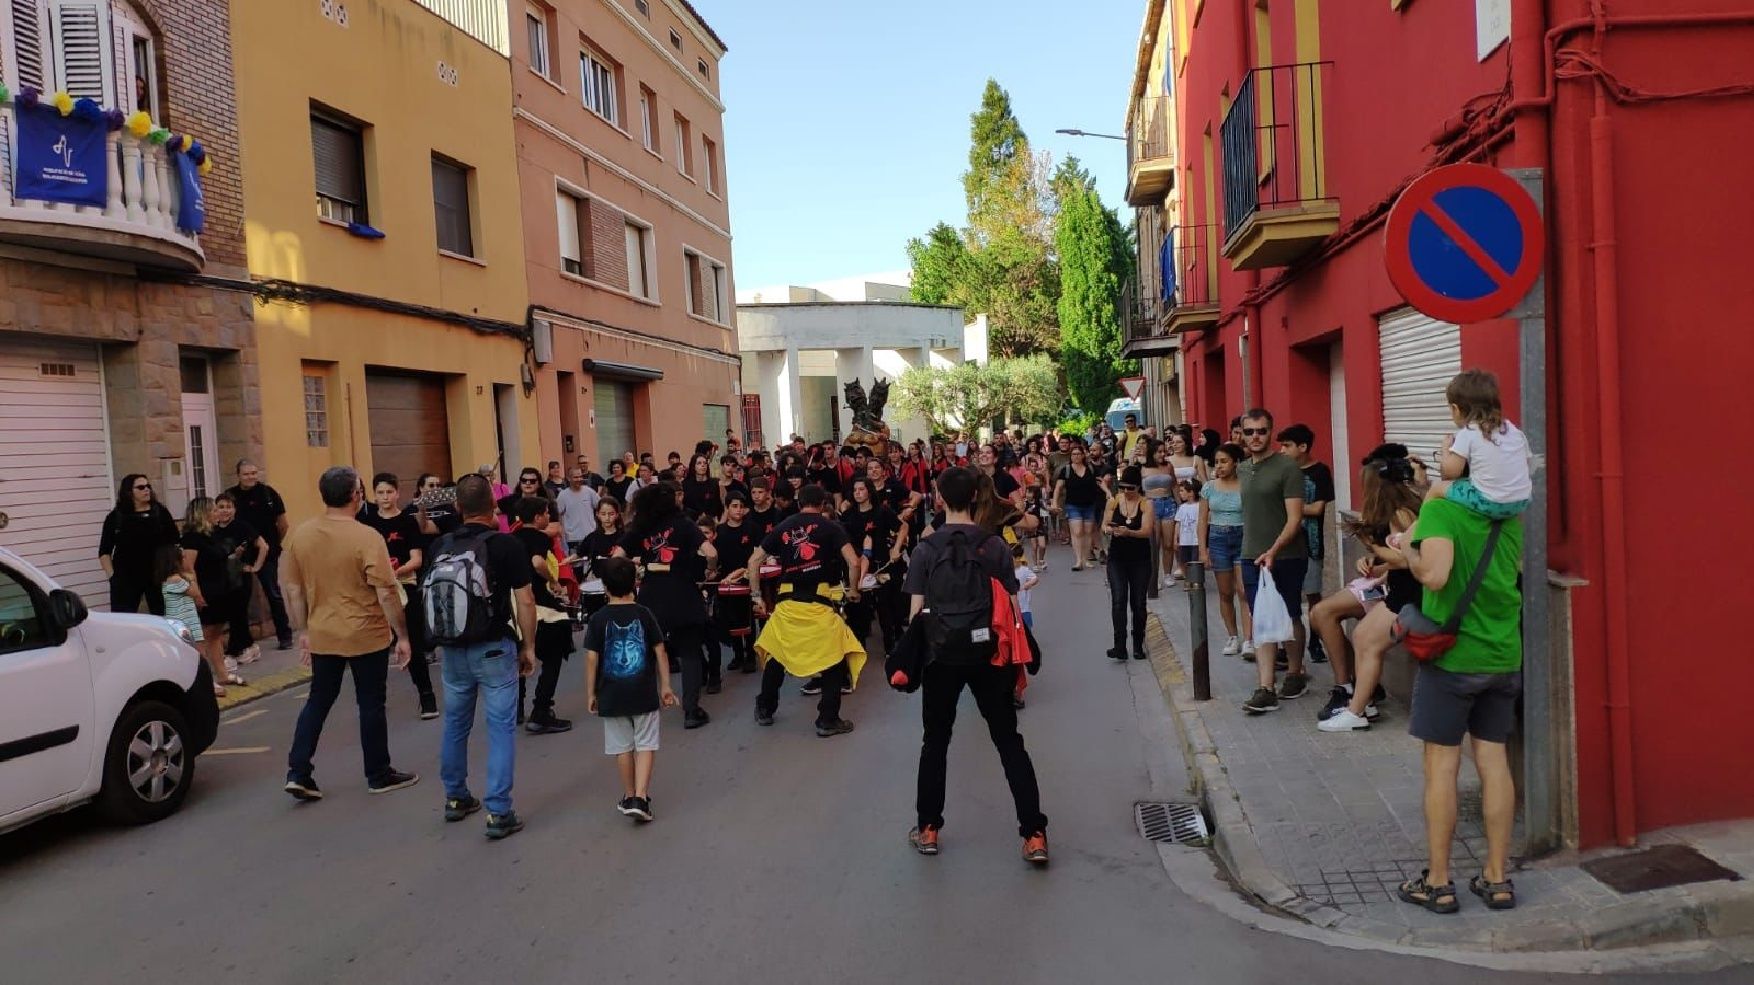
<point>234,679</point>
<point>1421,893</point>
<point>1496,895</point>
<point>219,690</point>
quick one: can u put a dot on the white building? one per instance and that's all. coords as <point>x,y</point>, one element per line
<point>802,344</point>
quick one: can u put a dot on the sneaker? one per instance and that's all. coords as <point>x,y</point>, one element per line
<point>1281,661</point>
<point>428,707</point>
<point>1317,653</point>
<point>1338,698</point>
<point>231,665</point>
<point>846,689</point>
<point>251,654</point>
<point>1017,702</point>
<point>839,726</point>
<point>302,788</point>
<point>638,808</point>
<point>1035,848</point>
<point>697,719</point>
<point>763,718</point>
<point>1294,687</point>
<point>1343,721</point>
<point>1232,646</point>
<point>1248,649</point>
<point>284,643</point>
<point>458,808</point>
<point>811,688</point>
<point>504,825</point>
<point>393,780</point>
<point>924,839</point>
<point>1263,701</point>
<point>547,725</point>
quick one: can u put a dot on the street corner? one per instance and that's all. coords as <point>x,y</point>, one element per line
<point>261,687</point>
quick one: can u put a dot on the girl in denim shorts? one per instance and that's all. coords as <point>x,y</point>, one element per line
<point>1221,545</point>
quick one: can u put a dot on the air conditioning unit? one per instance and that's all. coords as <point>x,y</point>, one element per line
<point>542,341</point>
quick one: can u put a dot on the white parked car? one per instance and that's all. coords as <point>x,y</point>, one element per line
<point>94,706</point>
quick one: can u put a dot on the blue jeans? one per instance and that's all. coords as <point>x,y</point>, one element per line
<point>490,669</point>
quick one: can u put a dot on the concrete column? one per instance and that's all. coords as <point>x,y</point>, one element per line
<point>791,397</point>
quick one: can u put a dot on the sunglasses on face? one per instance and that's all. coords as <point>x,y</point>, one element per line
<point>1255,432</point>
<point>143,487</point>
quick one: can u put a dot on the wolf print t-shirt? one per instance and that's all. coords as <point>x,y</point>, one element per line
<point>626,637</point>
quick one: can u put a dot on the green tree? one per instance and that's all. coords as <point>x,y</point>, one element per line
<point>965,396</point>
<point>940,266</point>
<point>1095,261</point>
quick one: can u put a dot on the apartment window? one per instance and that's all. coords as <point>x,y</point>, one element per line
<point>338,147</point>
<point>575,224</point>
<point>143,70</point>
<point>648,118</point>
<point>316,409</point>
<point>536,23</point>
<point>684,146</point>
<point>709,158</point>
<point>450,203</point>
<point>639,271</point>
<point>675,40</point>
<point>597,79</point>
<point>705,281</point>
<point>700,66</point>
<point>643,7</point>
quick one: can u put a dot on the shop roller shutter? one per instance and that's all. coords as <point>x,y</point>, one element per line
<point>1419,356</point>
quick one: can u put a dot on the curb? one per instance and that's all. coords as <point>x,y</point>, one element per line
<point>1710,912</point>
<point>262,687</point>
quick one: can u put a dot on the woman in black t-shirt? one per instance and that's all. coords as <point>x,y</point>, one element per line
<point>615,487</point>
<point>1078,491</point>
<point>245,550</point>
<point>872,528</point>
<point>132,534</point>
<point>207,559</point>
<point>676,559</point>
<point>1125,519</point>
<point>700,491</point>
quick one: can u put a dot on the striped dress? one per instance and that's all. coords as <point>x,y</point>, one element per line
<point>179,606</point>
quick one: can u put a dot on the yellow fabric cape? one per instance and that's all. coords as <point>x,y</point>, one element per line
<point>808,638</point>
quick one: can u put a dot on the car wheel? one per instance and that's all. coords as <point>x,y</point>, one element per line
<point>148,766</point>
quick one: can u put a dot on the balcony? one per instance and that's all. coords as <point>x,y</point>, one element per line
<point>1277,205</point>
<point>1150,167</point>
<point>1142,323</point>
<point>138,224</point>
<point>1192,304</point>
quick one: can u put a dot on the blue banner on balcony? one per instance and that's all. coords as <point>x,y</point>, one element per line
<point>1166,265</point>
<point>60,158</point>
<point>191,204</point>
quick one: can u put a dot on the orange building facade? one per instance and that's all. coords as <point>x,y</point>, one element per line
<point>619,128</point>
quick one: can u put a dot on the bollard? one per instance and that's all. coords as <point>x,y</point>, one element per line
<point>1195,574</point>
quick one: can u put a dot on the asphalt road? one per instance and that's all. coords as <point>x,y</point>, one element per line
<point>776,857</point>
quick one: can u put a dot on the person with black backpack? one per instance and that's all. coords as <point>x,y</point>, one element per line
<point>950,579</point>
<point>472,576</point>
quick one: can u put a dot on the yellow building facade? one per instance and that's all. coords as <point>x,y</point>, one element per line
<point>383,227</point>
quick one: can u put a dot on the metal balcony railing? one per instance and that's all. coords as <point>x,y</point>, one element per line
<point>1272,139</point>
<point>1148,130</point>
<point>1189,263</point>
<point>1140,313</point>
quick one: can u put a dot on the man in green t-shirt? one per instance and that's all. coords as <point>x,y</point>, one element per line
<point>1471,690</point>
<point>1273,546</point>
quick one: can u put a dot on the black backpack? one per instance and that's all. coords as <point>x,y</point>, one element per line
<point>459,603</point>
<point>958,605</point>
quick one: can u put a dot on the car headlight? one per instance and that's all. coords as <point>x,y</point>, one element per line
<point>181,630</point>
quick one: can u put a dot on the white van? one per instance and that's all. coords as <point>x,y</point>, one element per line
<point>1119,408</point>
<point>98,706</point>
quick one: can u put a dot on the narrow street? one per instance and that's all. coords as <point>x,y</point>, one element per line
<point>776,857</point>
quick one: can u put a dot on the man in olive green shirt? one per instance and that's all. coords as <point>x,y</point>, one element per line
<point>1273,544</point>
<point>1471,690</point>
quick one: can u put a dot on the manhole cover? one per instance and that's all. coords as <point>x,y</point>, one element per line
<point>1656,868</point>
<point>1171,822</point>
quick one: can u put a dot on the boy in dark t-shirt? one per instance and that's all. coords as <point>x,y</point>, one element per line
<point>627,681</point>
<point>553,624</point>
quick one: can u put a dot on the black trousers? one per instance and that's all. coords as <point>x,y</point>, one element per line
<point>860,615</point>
<point>687,646</point>
<point>1127,584</point>
<point>269,577</point>
<point>370,672</point>
<point>418,671</point>
<point>827,706</point>
<point>553,646</point>
<point>891,611</point>
<point>127,589</point>
<point>992,687</point>
<point>235,605</point>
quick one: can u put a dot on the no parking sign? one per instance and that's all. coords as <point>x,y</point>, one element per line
<point>1464,243</point>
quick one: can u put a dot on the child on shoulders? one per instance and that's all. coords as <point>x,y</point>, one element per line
<point>1485,463</point>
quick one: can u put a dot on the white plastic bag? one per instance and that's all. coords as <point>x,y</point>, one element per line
<point>1272,619</point>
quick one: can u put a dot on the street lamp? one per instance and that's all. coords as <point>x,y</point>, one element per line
<point>1086,133</point>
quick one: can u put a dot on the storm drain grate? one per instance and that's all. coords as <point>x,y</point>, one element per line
<point>1171,822</point>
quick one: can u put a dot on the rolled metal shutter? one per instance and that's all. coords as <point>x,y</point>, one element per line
<point>1420,355</point>
<point>613,401</point>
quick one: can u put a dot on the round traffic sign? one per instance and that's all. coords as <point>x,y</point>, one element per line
<point>1464,243</point>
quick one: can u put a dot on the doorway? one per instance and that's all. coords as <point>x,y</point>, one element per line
<point>200,429</point>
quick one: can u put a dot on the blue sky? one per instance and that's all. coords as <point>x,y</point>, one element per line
<point>846,123</point>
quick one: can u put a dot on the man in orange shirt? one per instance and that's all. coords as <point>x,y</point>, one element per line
<point>341,598</point>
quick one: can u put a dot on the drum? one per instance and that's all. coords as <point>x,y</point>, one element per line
<point>770,583</point>
<point>735,613</point>
<point>592,597</point>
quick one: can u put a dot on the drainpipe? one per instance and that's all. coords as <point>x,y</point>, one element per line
<point>1615,601</point>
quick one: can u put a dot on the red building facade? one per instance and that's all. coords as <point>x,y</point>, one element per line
<point>1299,122</point>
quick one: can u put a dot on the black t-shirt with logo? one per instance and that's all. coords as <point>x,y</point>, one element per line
<point>761,523</point>
<point>238,533</point>
<point>625,636</point>
<point>808,547</point>
<point>537,544</point>
<point>673,595</point>
<point>261,507</point>
<point>401,533</point>
<point>735,544</point>
<point>879,523</point>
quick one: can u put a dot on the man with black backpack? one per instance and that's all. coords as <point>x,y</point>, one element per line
<point>950,578</point>
<point>470,580</point>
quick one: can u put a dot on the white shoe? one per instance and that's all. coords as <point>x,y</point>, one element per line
<point>251,655</point>
<point>1248,646</point>
<point>1169,581</point>
<point>231,665</point>
<point>1232,647</point>
<point>1343,721</point>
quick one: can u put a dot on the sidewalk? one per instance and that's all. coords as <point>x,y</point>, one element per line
<point>276,671</point>
<point>1324,827</point>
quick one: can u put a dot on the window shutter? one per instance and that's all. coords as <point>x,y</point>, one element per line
<point>566,210</point>
<point>80,44</point>
<point>336,151</point>
<point>27,43</point>
<point>636,260</point>
<point>450,199</point>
